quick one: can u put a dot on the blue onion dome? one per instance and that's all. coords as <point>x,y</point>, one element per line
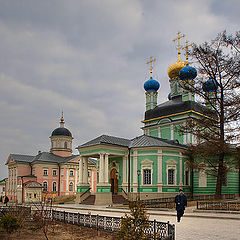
<point>169,96</point>
<point>187,73</point>
<point>151,85</point>
<point>210,86</point>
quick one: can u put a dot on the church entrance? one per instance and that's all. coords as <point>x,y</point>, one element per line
<point>114,181</point>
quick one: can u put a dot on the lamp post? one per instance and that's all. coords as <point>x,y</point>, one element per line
<point>138,173</point>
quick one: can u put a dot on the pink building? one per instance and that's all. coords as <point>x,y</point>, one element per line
<point>57,171</point>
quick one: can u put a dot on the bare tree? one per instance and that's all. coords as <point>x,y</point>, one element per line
<point>218,87</point>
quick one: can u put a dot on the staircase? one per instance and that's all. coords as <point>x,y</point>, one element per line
<point>90,200</point>
<point>119,199</point>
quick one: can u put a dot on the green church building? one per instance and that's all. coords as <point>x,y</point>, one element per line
<point>154,164</point>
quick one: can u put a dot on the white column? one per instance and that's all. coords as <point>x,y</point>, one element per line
<point>85,170</point>
<point>106,168</point>
<point>134,168</point>
<point>81,170</point>
<point>101,168</point>
<point>124,169</point>
<point>160,166</point>
<point>159,132</point>
<point>181,164</point>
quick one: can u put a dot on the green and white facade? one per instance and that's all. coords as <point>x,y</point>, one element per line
<point>155,163</point>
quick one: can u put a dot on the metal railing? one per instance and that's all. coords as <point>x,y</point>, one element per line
<point>159,230</point>
<point>225,206</point>
<point>169,202</point>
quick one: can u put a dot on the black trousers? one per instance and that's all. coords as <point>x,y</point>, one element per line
<point>180,213</point>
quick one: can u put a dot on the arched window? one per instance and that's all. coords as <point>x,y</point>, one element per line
<point>71,187</point>
<point>45,186</point>
<point>65,145</point>
<point>54,187</point>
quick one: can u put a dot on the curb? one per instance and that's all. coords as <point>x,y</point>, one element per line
<point>162,213</point>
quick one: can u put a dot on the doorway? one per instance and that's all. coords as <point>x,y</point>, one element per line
<point>114,181</point>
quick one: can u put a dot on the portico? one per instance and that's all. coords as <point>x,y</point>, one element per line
<point>112,170</point>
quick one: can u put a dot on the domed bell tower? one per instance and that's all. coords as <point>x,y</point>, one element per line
<point>151,87</point>
<point>61,141</point>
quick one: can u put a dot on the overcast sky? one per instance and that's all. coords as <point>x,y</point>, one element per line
<point>88,58</point>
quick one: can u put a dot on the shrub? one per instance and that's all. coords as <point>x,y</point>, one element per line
<point>9,223</point>
<point>134,226</point>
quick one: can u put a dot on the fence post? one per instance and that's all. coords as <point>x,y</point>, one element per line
<point>98,233</point>
<point>63,216</point>
<point>168,230</point>
<point>154,229</point>
<point>78,218</point>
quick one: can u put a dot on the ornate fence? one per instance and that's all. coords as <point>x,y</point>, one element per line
<point>227,206</point>
<point>160,230</point>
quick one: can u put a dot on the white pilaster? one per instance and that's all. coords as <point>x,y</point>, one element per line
<point>172,132</point>
<point>81,170</point>
<point>160,166</point>
<point>181,175</point>
<point>134,170</point>
<point>67,180</point>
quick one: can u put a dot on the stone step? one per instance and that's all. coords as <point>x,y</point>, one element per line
<point>119,199</point>
<point>90,200</point>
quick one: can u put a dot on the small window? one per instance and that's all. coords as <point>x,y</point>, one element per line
<point>45,172</point>
<point>35,195</point>
<point>171,178</point>
<point>71,187</point>
<point>54,187</point>
<point>54,173</point>
<point>65,145</point>
<point>71,173</point>
<point>3,189</point>
<point>186,177</point>
<point>45,186</point>
<point>30,195</point>
<point>89,174</point>
<point>147,176</point>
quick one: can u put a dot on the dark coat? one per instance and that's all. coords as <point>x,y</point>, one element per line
<point>181,202</point>
<point>6,199</point>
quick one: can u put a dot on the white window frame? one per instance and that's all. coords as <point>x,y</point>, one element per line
<point>45,189</point>
<point>71,175</point>
<point>44,172</point>
<point>71,183</point>
<point>174,176</point>
<point>54,171</point>
<point>55,187</point>
<point>202,178</point>
<point>148,165</point>
<point>171,164</point>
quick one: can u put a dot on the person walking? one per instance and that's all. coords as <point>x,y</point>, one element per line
<point>6,200</point>
<point>181,203</point>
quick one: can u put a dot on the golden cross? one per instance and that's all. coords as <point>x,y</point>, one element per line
<point>151,64</point>
<point>186,48</point>
<point>179,36</point>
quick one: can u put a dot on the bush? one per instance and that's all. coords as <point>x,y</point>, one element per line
<point>133,226</point>
<point>9,223</point>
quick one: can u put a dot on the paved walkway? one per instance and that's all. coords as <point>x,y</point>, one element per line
<point>194,225</point>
